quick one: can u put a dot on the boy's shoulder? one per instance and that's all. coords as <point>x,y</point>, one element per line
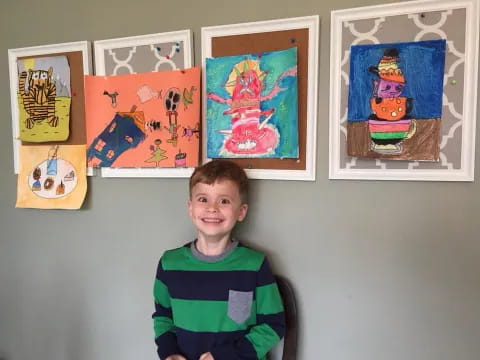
<point>250,253</point>
<point>176,253</point>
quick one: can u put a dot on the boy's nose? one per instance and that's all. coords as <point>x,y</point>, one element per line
<point>212,207</point>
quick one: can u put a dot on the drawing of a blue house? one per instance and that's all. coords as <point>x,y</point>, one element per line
<point>122,133</point>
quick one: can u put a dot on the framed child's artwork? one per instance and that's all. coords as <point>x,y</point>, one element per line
<point>403,91</point>
<point>47,95</point>
<point>145,54</point>
<point>260,96</point>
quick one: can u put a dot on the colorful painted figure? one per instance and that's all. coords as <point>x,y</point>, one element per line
<point>390,122</point>
<point>158,154</point>
<point>250,133</point>
<point>187,98</point>
<point>39,101</point>
<point>171,101</point>
<point>189,132</point>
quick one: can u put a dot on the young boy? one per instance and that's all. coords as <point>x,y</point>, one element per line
<point>216,299</point>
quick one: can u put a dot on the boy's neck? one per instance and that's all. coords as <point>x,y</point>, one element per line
<point>213,247</point>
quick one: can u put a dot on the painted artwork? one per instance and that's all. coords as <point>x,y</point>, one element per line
<point>52,177</point>
<point>44,98</point>
<point>252,105</point>
<point>395,100</point>
<point>145,120</point>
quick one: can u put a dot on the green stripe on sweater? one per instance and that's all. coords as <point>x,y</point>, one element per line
<point>203,315</point>
<point>160,292</point>
<point>262,337</point>
<point>162,324</point>
<point>270,302</point>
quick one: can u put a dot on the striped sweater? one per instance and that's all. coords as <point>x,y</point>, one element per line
<point>228,304</point>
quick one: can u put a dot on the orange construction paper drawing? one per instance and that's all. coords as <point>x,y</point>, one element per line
<point>143,120</point>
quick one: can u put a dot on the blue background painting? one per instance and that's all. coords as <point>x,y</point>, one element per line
<point>285,103</point>
<point>422,63</point>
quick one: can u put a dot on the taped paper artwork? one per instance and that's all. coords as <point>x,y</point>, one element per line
<point>395,100</point>
<point>252,105</point>
<point>143,120</point>
<point>44,98</point>
<point>52,177</point>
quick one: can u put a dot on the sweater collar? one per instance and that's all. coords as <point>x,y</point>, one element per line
<point>198,255</point>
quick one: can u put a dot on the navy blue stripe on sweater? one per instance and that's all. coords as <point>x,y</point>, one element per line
<point>275,321</point>
<point>166,345</point>
<point>240,350</point>
<point>193,344</point>
<point>207,285</point>
<point>265,275</point>
<point>162,311</point>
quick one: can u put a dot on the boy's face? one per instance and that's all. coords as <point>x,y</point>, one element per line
<point>215,209</point>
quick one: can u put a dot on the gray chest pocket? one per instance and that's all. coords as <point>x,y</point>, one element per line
<point>239,305</point>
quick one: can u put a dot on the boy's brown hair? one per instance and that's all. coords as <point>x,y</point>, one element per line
<point>218,170</point>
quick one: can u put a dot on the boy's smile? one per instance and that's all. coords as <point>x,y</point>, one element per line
<point>215,209</point>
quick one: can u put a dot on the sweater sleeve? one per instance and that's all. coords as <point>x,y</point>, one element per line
<point>163,326</point>
<point>270,325</point>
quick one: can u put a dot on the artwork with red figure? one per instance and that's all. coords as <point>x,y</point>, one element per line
<point>252,105</point>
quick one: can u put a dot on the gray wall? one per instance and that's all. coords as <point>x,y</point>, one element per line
<point>382,270</point>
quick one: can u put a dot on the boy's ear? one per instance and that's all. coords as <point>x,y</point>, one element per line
<point>243,212</point>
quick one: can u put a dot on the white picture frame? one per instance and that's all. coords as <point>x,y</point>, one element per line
<point>100,46</point>
<point>341,167</point>
<point>51,49</point>
<point>308,22</point>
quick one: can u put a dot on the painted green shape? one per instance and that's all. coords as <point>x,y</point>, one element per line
<point>389,135</point>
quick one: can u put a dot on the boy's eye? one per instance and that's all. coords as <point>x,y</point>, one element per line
<point>202,199</point>
<point>225,201</point>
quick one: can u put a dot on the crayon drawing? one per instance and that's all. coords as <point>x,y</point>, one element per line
<point>52,177</point>
<point>252,105</point>
<point>395,100</point>
<point>143,120</point>
<point>44,98</point>
<point>124,132</point>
